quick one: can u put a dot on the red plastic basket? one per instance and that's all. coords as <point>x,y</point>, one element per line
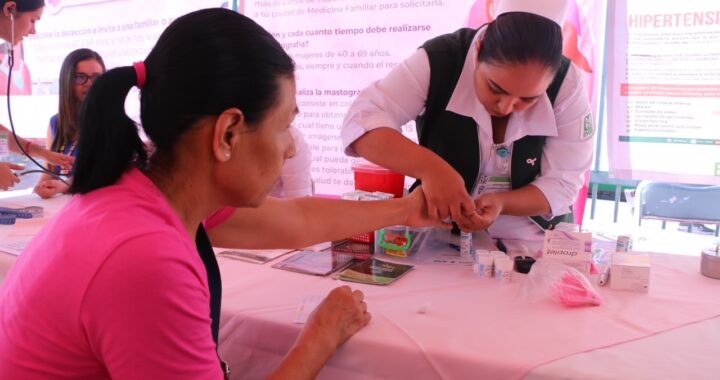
<point>368,237</point>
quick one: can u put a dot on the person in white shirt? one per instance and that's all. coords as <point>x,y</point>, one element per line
<point>504,126</point>
<point>296,178</point>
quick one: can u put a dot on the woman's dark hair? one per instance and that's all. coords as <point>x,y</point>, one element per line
<point>69,107</point>
<point>520,37</point>
<point>25,5</point>
<point>204,63</point>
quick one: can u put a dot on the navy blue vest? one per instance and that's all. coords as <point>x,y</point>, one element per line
<point>454,137</point>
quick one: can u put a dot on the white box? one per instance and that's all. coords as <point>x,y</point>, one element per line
<point>573,249</point>
<point>630,271</point>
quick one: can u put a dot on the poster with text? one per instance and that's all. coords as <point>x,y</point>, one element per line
<point>341,46</point>
<point>664,90</point>
<point>121,31</point>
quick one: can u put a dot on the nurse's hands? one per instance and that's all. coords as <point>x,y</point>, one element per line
<point>417,211</point>
<point>488,206</point>
<point>446,195</point>
<point>8,179</point>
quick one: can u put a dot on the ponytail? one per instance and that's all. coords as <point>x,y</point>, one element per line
<point>109,143</point>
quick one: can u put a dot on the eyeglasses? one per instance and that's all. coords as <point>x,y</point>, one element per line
<point>81,78</point>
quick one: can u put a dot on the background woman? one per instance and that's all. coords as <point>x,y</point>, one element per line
<point>78,72</point>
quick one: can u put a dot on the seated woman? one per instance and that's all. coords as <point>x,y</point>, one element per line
<point>120,283</point>
<point>78,72</point>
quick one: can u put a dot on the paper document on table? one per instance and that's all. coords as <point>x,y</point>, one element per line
<point>374,272</point>
<point>315,263</point>
<point>451,258</point>
<point>14,246</point>
<point>256,256</point>
<point>306,307</point>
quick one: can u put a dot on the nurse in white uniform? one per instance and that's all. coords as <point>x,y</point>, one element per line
<point>296,176</point>
<point>504,125</point>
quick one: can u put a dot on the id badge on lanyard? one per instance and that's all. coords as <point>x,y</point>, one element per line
<point>493,184</point>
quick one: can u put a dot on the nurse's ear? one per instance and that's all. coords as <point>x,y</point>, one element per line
<point>228,131</point>
<point>9,9</point>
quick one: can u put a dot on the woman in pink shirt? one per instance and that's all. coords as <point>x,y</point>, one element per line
<point>121,284</point>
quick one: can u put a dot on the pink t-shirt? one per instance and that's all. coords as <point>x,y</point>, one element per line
<point>113,287</point>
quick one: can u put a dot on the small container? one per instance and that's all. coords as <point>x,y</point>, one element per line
<point>483,264</point>
<point>523,264</point>
<point>466,244</point>
<point>503,271</point>
<point>624,243</point>
<point>395,241</point>
<point>710,262</point>
<point>4,145</point>
<point>370,177</point>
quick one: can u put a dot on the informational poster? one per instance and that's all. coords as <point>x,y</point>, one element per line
<point>339,46</point>
<point>664,90</point>
<point>121,31</point>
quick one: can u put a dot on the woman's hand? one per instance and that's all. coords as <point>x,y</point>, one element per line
<point>418,215</point>
<point>445,194</point>
<point>55,158</point>
<point>8,179</point>
<point>50,187</point>
<point>338,317</point>
<point>488,207</point>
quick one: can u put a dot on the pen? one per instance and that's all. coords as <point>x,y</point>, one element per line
<point>454,246</point>
<point>500,245</point>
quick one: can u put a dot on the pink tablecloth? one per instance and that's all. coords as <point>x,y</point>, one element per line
<point>473,328</point>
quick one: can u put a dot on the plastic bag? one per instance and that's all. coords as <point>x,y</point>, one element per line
<point>560,283</point>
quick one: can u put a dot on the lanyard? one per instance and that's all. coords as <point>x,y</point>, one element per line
<point>202,242</point>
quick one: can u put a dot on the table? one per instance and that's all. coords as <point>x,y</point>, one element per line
<point>448,341</point>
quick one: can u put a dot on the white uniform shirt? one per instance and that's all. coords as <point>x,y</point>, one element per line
<point>295,178</point>
<point>400,97</point>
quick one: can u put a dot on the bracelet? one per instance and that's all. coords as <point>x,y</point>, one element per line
<point>27,146</point>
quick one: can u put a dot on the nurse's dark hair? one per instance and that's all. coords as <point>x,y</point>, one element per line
<point>520,37</point>
<point>204,63</point>
<point>24,5</point>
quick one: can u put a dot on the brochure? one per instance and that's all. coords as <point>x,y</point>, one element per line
<point>374,272</point>
<point>256,256</point>
<point>315,263</point>
<point>361,251</point>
